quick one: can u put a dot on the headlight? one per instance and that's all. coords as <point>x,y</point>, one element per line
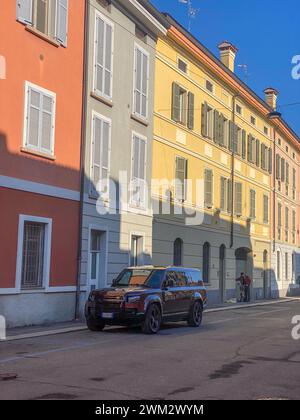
<point>133,299</point>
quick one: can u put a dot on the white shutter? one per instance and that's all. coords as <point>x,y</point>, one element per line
<point>62,21</point>
<point>100,154</point>
<point>24,11</point>
<point>40,121</point>
<point>46,116</point>
<point>103,57</point>
<point>238,198</point>
<point>138,196</point>
<point>141,77</point>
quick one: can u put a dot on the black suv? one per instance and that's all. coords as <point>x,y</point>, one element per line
<point>148,296</point>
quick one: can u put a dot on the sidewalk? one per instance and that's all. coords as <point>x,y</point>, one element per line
<point>72,326</point>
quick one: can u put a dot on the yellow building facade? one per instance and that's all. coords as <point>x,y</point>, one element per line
<point>210,131</point>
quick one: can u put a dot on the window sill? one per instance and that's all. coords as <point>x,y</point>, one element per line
<point>38,154</point>
<point>41,35</point>
<point>105,101</point>
<point>140,120</point>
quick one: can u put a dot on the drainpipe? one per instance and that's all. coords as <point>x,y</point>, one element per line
<point>274,188</point>
<point>82,152</point>
<point>232,174</point>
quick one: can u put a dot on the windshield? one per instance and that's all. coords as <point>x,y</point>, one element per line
<point>140,277</point>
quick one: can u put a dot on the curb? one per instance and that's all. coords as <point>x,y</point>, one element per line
<point>250,305</point>
<point>83,327</point>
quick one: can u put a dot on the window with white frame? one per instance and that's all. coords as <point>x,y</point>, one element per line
<point>100,162</point>
<point>49,17</point>
<point>34,252</point>
<point>103,66</point>
<point>95,250</point>
<point>136,250</point>
<point>39,121</point>
<point>141,77</point>
<point>138,171</point>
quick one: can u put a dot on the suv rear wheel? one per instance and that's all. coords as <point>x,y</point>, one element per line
<point>195,315</point>
<point>95,325</point>
<point>153,319</point>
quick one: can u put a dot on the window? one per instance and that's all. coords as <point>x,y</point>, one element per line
<point>178,252</point>
<point>39,121</point>
<point>180,178</point>
<point>286,224</point>
<point>278,167</point>
<point>100,165</point>
<point>278,266</point>
<point>141,81</point>
<point>207,121</point>
<point>266,131</point>
<point>206,262</point>
<point>223,192</point>
<point>208,188</point>
<point>264,157</point>
<point>253,120</point>
<point>34,250</point>
<point>279,142</point>
<point>136,252</point>
<point>294,184</point>
<point>103,75</point>
<point>287,149</point>
<point>238,192</point>
<point>95,250</point>
<point>279,210</point>
<point>138,171</point>
<point>251,149</point>
<point>182,106</point>
<point>182,65</point>
<point>209,86</point>
<point>252,204</point>
<point>266,209</point>
<point>294,226</point>
<point>238,109</point>
<point>49,17</point>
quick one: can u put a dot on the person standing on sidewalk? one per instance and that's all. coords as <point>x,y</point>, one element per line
<point>240,287</point>
<point>247,284</point>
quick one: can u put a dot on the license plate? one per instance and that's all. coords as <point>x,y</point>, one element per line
<point>107,315</point>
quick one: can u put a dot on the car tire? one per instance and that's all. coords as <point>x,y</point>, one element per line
<point>195,314</point>
<point>95,325</point>
<point>153,319</point>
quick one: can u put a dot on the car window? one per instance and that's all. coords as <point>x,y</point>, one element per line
<point>182,279</point>
<point>155,279</point>
<point>170,280</point>
<point>194,277</point>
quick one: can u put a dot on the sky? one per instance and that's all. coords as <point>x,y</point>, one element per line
<point>267,34</point>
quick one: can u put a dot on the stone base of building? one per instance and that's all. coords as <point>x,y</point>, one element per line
<point>27,309</point>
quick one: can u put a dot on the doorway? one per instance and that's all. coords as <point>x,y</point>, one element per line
<point>266,289</point>
<point>222,273</point>
<point>244,264</point>
<point>97,259</point>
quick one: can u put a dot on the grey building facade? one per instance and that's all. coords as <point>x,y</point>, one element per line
<point>117,217</point>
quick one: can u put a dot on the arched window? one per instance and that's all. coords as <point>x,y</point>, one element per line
<point>178,247</point>
<point>206,262</point>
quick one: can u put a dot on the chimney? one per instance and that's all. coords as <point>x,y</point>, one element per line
<point>228,52</point>
<point>271,97</point>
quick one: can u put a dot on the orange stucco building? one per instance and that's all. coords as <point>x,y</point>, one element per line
<point>41,45</point>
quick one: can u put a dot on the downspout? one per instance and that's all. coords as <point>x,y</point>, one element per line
<point>82,153</point>
<point>274,188</point>
<point>232,173</point>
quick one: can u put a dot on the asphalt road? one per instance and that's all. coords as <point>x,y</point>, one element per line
<point>236,354</point>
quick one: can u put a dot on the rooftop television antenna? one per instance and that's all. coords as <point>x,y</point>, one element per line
<point>191,12</point>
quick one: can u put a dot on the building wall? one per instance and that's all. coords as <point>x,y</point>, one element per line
<point>118,228</point>
<point>37,185</point>
<point>172,139</point>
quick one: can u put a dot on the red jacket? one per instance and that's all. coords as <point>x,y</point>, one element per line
<point>247,281</point>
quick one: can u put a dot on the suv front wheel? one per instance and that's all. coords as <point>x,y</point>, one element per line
<point>195,315</point>
<point>153,319</point>
<point>95,325</point>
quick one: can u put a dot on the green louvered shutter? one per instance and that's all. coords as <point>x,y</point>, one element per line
<point>175,102</point>
<point>243,144</point>
<point>204,120</point>
<point>191,112</point>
